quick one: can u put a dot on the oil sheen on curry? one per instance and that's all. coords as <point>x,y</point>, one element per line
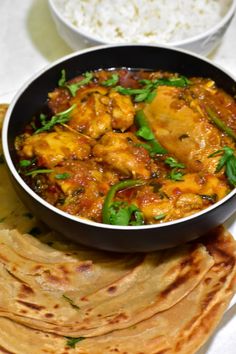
<point>131,147</point>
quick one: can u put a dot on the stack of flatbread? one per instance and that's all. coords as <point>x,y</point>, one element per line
<point>57,297</point>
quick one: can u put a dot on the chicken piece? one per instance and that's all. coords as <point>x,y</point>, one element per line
<point>121,152</point>
<point>52,148</point>
<point>177,199</point>
<point>122,111</point>
<point>182,131</point>
<point>90,116</point>
<point>84,187</point>
<point>194,183</point>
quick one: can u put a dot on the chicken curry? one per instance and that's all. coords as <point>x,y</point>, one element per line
<point>131,147</point>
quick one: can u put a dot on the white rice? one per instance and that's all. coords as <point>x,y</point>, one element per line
<point>142,21</point>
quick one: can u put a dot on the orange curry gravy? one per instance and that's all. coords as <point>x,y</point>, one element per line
<point>111,126</point>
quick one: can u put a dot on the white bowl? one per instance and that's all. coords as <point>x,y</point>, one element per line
<point>203,43</point>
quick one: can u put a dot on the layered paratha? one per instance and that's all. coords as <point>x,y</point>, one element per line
<point>79,293</point>
<point>183,328</point>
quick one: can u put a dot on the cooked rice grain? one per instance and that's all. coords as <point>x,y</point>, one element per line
<point>142,21</point>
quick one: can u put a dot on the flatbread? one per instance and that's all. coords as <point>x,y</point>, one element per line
<point>126,291</point>
<point>181,329</point>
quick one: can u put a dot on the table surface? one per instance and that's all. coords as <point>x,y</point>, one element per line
<point>29,41</point>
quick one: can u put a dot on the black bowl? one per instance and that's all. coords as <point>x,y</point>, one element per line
<point>32,98</point>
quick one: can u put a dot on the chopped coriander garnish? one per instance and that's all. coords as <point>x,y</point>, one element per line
<point>71,302</point>
<point>25,163</point>
<point>160,216</point>
<point>121,213</point>
<point>33,173</point>
<point>172,162</point>
<point>73,87</point>
<point>62,80</point>
<point>112,81</point>
<point>227,160</point>
<point>140,94</point>
<point>64,175</point>
<point>176,175</point>
<point>148,91</point>
<point>59,118</point>
<point>43,118</point>
<point>71,342</point>
<point>180,81</point>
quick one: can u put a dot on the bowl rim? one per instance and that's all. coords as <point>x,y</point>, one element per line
<point>79,219</point>
<point>227,16</point>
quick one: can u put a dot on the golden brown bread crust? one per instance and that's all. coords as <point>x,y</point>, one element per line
<point>182,329</point>
<point>141,285</point>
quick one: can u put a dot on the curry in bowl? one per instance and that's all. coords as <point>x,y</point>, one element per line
<point>130,146</point>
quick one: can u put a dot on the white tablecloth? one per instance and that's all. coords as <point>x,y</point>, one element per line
<point>29,41</point>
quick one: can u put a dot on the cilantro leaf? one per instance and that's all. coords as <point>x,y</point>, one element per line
<point>121,213</point>
<point>139,93</point>
<point>230,170</point>
<point>112,81</point>
<point>59,118</point>
<point>71,302</point>
<point>62,80</point>
<point>227,160</point>
<point>148,91</point>
<point>176,175</point>
<point>160,217</point>
<point>73,87</point>
<point>180,81</point>
<point>71,342</point>
<point>64,175</point>
<point>172,162</point>
<point>25,163</point>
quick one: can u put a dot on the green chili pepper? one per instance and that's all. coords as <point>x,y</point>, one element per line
<point>106,210</point>
<point>220,123</point>
<point>146,133</point>
<point>33,173</point>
